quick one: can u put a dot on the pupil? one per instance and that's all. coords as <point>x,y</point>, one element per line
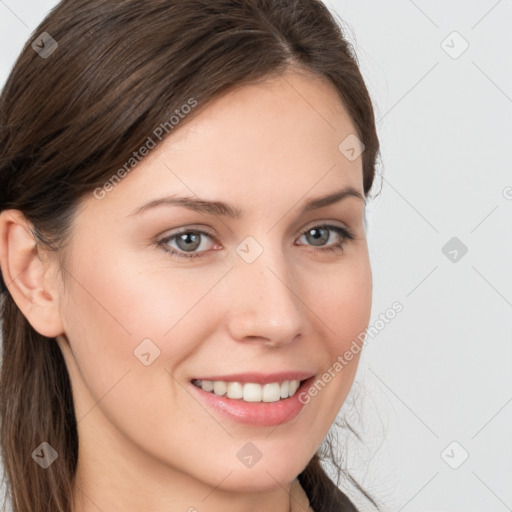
<point>317,236</point>
<point>192,238</point>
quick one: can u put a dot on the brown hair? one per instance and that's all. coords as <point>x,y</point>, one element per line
<point>71,118</point>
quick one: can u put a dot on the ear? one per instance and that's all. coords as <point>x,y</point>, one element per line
<point>30,278</point>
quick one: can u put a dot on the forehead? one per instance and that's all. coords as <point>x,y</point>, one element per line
<point>292,106</point>
<point>274,140</point>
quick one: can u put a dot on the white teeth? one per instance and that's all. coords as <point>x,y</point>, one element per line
<point>207,385</point>
<point>285,386</point>
<point>219,388</point>
<point>294,385</point>
<point>271,392</point>
<point>250,391</point>
<point>235,390</point>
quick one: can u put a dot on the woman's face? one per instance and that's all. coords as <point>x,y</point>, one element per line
<point>263,293</point>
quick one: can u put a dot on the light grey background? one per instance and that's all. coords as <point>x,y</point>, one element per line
<point>440,372</point>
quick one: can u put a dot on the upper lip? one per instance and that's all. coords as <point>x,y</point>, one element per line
<point>260,378</point>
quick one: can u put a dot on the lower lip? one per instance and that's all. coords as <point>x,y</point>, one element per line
<point>264,414</point>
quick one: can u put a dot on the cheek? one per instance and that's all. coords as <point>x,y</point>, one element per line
<point>343,306</point>
<point>107,316</point>
<point>344,303</point>
<point>131,299</point>
<point>111,313</point>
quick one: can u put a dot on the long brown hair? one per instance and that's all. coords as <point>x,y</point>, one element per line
<point>72,114</point>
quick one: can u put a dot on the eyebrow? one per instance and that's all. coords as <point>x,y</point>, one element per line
<point>223,209</point>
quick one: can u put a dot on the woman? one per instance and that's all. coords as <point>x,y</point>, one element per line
<point>183,255</point>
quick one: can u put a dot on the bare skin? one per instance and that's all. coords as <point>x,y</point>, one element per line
<point>145,442</point>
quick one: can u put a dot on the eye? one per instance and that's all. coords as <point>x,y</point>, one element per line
<point>187,242</point>
<point>318,236</point>
<point>190,243</point>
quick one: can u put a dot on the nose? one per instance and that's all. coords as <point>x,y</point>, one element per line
<point>264,304</point>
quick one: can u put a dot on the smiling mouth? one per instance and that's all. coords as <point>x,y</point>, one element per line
<point>250,391</point>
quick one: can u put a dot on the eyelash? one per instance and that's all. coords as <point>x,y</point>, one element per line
<point>345,233</point>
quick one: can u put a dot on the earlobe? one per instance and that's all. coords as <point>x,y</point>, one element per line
<point>24,274</point>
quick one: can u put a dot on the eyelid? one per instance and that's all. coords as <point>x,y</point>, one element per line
<point>207,231</point>
<point>325,223</point>
<point>185,229</point>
